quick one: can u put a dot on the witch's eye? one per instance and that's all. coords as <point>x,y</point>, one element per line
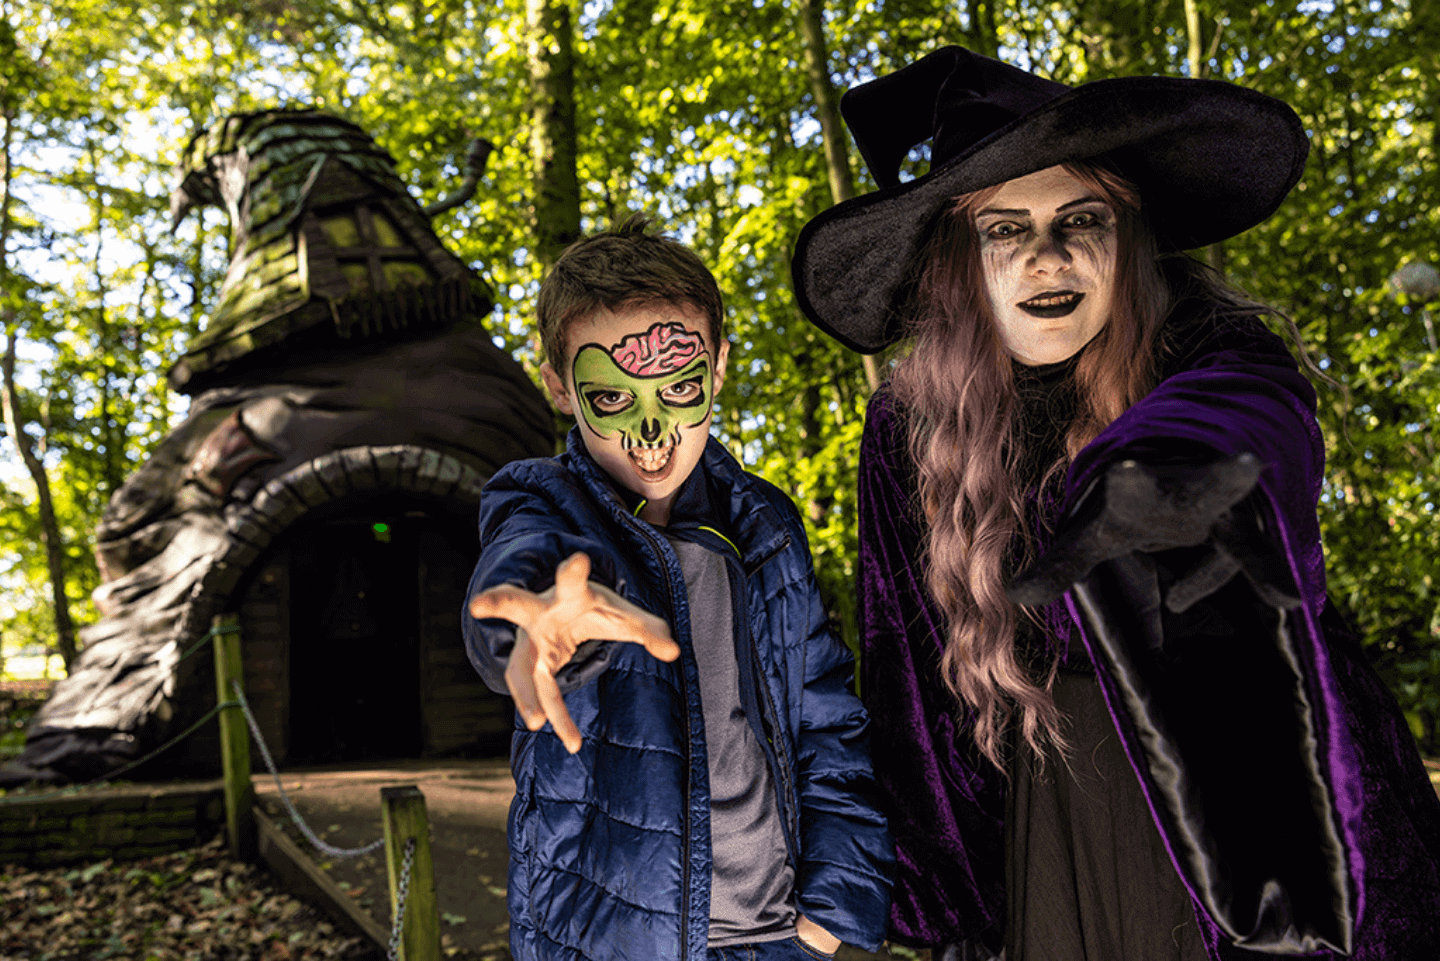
<point>685,393</point>
<point>606,402</point>
<point>1082,220</point>
<point>1004,230</point>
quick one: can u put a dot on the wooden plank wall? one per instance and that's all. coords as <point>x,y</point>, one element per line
<point>265,637</point>
<point>460,714</point>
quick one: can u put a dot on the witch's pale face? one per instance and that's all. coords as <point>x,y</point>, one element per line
<point>642,384</point>
<point>1048,248</point>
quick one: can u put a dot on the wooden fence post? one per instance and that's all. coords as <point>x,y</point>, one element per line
<point>403,811</point>
<point>234,739</point>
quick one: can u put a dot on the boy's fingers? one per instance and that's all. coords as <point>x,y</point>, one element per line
<point>518,678</point>
<point>662,648</point>
<point>571,575</point>
<point>508,602</point>
<point>553,705</point>
<point>654,634</point>
<point>624,621</point>
<point>656,641</point>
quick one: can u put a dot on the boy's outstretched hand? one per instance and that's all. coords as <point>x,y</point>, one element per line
<point>551,625</point>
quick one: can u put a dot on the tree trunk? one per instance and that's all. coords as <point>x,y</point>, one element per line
<point>105,337</point>
<point>832,130</point>
<point>1195,59</point>
<point>980,31</point>
<point>553,141</point>
<point>50,528</point>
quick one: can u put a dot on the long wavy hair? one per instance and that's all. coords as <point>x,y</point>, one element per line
<point>958,387</point>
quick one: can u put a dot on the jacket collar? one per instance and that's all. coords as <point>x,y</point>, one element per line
<point>718,497</point>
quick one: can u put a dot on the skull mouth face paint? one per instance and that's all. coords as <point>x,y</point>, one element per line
<point>647,389</point>
<point>642,385</point>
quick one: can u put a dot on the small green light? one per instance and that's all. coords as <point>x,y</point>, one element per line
<point>380,527</point>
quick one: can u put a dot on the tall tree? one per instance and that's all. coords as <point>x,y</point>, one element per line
<point>17,75</point>
<point>832,131</point>
<point>550,52</point>
<point>15,426</point>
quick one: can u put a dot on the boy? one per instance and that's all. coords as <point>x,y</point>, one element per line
<point>702,791</point>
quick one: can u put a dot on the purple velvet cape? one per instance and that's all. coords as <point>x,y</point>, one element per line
<point>1277,767</point>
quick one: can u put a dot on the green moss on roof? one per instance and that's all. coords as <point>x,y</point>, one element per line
<point>277,166</point>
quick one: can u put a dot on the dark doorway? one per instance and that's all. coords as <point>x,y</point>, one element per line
<point>354,639</point>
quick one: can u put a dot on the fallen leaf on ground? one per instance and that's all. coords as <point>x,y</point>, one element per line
<point>162,909</point>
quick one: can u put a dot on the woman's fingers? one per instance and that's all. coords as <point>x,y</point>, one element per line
<point>1175,506</point>
<point>1145,509</point>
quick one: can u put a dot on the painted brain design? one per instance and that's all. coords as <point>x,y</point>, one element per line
<point>663,349</point>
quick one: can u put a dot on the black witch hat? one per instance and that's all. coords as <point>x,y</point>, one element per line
<point>1209,158</point>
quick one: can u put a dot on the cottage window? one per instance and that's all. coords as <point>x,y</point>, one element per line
<point>372,252</point>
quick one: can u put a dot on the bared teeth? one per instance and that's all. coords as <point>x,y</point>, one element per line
<point>651,459</point>
<point>1052,300</point>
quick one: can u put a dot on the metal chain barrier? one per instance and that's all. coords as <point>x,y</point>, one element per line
<point>69,789</point>
<point>72,789</point>
<point>209,636</point>
<point>400,895</point>
<point>310,835</point>
<point>403,890</point>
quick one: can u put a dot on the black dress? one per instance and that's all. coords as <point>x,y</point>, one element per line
<point>1087,874</point>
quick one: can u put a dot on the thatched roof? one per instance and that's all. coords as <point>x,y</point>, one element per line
<point>328,245</point>
<point>347,360</point>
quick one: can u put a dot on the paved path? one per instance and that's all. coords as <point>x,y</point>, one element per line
<point>466,802</point>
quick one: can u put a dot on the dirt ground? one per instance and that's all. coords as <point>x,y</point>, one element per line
<point>466,802</point>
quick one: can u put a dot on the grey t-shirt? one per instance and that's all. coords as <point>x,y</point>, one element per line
<point>752,883</point>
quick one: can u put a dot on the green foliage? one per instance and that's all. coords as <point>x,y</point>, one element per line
<point>699,112</point>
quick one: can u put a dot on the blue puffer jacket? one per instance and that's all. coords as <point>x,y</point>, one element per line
<point>610,847</point>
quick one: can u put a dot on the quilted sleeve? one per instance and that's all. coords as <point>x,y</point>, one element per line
<point>847,857</point>
<point>524,535</point>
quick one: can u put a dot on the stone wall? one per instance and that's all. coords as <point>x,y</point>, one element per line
<point>114,822</point>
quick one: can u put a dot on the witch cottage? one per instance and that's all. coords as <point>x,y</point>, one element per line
<point>348,405</point>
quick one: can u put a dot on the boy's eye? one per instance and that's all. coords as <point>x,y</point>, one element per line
<point>685,393</point>
<point>606,402</point>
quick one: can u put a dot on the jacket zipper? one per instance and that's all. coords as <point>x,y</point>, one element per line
<point>782,770</point>
<point>780,765</point>
<point>685,696</point>
<point>788,799</point>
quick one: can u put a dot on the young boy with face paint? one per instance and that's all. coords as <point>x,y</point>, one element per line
<point>692,779</point>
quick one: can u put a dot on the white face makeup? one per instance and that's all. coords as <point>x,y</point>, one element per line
<point>1047,246</point>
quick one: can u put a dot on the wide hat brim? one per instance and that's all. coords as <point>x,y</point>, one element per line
<point>1210,160</point>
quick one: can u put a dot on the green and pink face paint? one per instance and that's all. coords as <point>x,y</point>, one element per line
<point>652,390</point>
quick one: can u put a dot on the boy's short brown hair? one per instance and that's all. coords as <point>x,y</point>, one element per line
<point>626,266</point>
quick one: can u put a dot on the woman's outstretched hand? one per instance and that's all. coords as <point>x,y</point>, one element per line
<point>551,625</point>
<point>1147,509</point>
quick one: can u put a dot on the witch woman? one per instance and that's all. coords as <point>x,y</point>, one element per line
<point>1113,711</point>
